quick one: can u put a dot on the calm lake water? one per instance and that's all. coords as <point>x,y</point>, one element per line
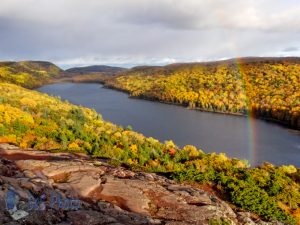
<point>254,140</point>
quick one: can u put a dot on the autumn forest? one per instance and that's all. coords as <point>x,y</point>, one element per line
<point>269,89</point>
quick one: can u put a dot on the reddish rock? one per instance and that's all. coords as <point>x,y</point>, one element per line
<point>108,195</point>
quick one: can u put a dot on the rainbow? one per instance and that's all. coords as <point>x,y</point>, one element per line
<point>251,122</point>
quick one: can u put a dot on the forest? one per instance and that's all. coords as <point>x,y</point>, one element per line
<point>34,120</point>
<point>263,88</point>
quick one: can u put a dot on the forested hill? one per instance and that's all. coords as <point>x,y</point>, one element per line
<point>96,69</point>
<point>264,87</point>
<point>96,73</point>
<point>28,73</point>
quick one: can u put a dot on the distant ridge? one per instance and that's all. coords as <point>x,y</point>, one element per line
<point>249,59</point>
<point>96,69</point>
<point>169,68</point>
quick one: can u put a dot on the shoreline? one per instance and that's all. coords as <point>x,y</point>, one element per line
<point>269,120</point>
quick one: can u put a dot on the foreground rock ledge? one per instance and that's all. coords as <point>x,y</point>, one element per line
<point>107,195</point>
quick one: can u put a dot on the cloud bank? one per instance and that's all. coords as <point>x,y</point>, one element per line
<point>134,32</point>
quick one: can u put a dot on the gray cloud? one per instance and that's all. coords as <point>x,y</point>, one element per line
<point>291,49</point>
<point>146,31</point>
<point>191,14</point>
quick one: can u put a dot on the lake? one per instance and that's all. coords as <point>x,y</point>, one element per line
<point>237,136</point>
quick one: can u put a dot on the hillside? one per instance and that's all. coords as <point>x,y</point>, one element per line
<point>96,69</point>
<point>267,88</point>
<point>30,119</point>
<point>94,74</point>
<point>28,73</point>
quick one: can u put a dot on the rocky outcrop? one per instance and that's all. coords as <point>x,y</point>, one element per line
<point>38,187</point>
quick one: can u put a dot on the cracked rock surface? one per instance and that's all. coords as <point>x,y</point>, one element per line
<point>64,188</point>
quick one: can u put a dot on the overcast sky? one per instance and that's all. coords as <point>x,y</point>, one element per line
<point>133,32</point>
